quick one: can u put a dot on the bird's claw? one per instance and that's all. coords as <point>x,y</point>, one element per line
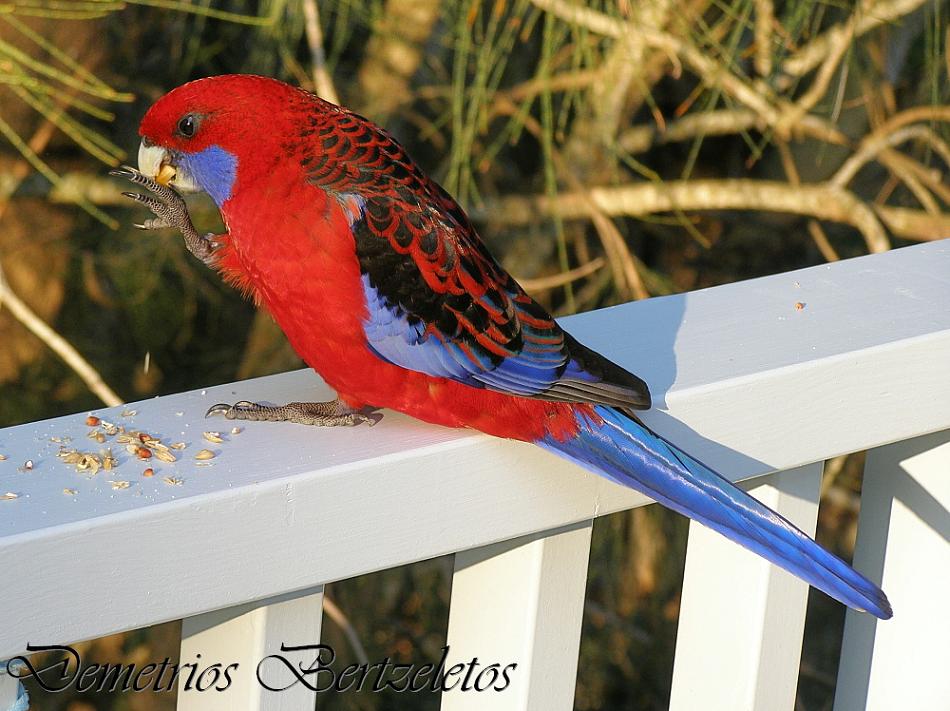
<point>229,411</point>
<point>169,209</point>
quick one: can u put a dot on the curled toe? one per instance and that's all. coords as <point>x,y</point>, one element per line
<point>222,408</point>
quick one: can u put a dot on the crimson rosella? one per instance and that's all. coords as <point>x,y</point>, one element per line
<point>382,285</point>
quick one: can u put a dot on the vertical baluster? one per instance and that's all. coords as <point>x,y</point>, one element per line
<point>9,688</point>
<point>246,634</point>
<point>742,619</point>
<point>520,602</point>
<point>903,541</point>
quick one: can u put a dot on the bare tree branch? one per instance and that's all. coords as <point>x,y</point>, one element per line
<point>59,345</point>
<point>723,122</point>
<point>868,15</point>
<point>764,17</point>
<point>820,200</point>
<point>321,77</point>
<point>343,622</point>
<point>556,280</point>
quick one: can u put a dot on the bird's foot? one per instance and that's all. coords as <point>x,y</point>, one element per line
<point>170,210</point>
<point>320,414</point>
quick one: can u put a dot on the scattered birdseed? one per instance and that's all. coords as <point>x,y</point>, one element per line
<point>3,457</point>
<point>173,481</point>
<point>117,485</point>
<point>235,430</point>
<point>129,413</point>
<point>144,446</point>
<point>9,496</point>
<point>27,466</point>
<point>205,454</point>
<point>178,445</point>
<point>70,492</point>
<point>83,461</point>
<point>149,472</point>
<point>799,306</point>
<point>213,437</point>
<point>92,421</point>
<point>164,455</point>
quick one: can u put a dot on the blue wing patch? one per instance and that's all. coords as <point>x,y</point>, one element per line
<point>402,340</point>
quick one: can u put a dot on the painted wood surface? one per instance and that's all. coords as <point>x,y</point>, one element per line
<point>519,604</point>
<point>904,540</point>
<point>742,619</point>
<point>752,377</point>
<point>250,637</point>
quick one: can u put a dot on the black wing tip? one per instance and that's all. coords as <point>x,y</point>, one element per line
<point>619,387</point>
<point>881,606</point>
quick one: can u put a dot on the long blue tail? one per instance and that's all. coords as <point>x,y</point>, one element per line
<point>628,453</point>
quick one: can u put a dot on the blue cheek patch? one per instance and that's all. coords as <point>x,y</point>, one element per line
<point>214,169</point>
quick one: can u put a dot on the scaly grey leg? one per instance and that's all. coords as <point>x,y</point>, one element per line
<point>320,414</point>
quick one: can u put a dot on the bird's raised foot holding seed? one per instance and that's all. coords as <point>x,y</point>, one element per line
<point>170,210</point>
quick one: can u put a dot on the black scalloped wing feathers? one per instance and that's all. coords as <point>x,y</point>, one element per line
<point>438,302</point>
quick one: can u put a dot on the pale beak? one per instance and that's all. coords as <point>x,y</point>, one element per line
<point>157,163</point>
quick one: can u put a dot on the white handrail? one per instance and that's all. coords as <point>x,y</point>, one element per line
<point>752,377</point>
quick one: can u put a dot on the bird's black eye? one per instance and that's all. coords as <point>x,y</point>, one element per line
<point>187,126</point>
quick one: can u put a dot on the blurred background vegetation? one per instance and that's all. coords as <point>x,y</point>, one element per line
<point>608,151</point>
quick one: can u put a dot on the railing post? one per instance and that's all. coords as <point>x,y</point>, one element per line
<point>245,635</point>
<point>904,539</point>
<point>9,687</point>
<point>520,602</point>
<point>742,619</point>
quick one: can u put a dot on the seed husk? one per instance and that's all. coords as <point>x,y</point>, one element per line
<point>164,455</point>
<point>205,454</point>
<point>214,437</point>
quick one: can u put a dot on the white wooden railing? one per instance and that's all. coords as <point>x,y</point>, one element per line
<point>774,374</point>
